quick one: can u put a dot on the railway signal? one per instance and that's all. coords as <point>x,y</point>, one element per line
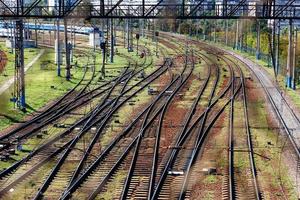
<point>103,47</point>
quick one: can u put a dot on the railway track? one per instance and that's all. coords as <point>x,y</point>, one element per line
<point>137,141</point>
<point>236,151</point>
<point>61,108</point>
<point>287,117</point>
<point>190,143</point>
<point>178,163</point>
<point>35,159</point>
<point>43,153</point>
<point>135,163</point>
<point>109,112</point>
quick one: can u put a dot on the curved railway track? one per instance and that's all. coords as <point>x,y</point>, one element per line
<point>43,153</point>
<point>135,162</point>
<point>60,147</point>
<point>234,192</point>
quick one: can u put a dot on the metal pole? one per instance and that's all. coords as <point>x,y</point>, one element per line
<point>107,37</point>
<point>241,35</point>
<point>156,45</point>
<point>204,30</point>
<point>68,73</point>
<point>237,35</point>
<point>103,58</point>
<point>36,35</point>
<point>153,36</point>
<point>19,66</point>
<point>289,76</point>
<point>72,42</point>
<point>143,27</point>
<point>273,36</point>
<point>137,43</point>
<point>277,47</point>
<point>226,32</point>
<point>124,32</point>
<point>215,24</point>
<point>12,37</point>
<point>258,40</point>
<point>127,34</point>
<point>111,41</point>
<point>94,40</point>
<point>131,36</point>
<point>295,58</point>
<point>115,33</point>
<point>57,50</point>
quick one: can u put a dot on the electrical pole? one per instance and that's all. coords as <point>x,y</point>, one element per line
<point>143,27</point>
<point>241,43</point>
<point>68,73</point>
<point>215,24</point>
<point>124,32</point>
<point>111,41</point>
<point>295,58</point>
<point>237,35</point>
<point>289,76</point>
<point>131,36</point>
<point>258,40</point>
<point>72,43</point>
<point>36,35</point>
<point>204,30</point>
<point>277,47</point>
<point>273,36</point>
<point>19,91</point>
<point>57,49</point>
<point>128,36</point>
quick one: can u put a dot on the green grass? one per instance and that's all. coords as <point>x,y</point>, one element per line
<point>29,54</point>
<point>295,97</point>
<point>39,80</point>
<point>39,92</point>
<point>267,156</point>
<point>38,88</point>
<point>210,179</point>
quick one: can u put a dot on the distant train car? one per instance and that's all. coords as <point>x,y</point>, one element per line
<point>5,28</point>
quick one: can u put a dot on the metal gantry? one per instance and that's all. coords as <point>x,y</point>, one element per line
<point>182,9</point>
<point>137,9</point>
<point>19,89</point>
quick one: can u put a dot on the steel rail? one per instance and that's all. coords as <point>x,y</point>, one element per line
<point>69,130</point>
<point>157,143</point>
<point>137,141</point>
<point>200,132</point>
<point>79,181</point>
<point>276,110</point>
<point>186,124</point>
<point>249,139</point>
<point>140,137</point>
<point>99,130</point>
<point>180,141</point>
<point>63,157</point>
<point>79,167</point>
<point>68,150</point>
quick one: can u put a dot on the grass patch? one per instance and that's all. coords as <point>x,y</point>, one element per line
<point>210,179</point>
